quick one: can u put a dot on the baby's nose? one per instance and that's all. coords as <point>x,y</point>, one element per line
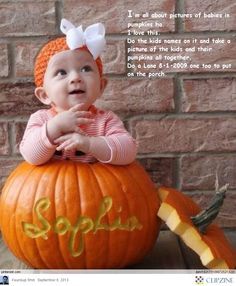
<point>75,77</point>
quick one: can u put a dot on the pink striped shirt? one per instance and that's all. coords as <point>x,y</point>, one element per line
<point>36,148</point>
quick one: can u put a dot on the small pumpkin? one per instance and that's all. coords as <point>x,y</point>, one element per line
<point>76,215</point>
<point>183,216</point>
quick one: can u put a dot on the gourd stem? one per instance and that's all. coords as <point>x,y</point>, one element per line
<point>203,219</point>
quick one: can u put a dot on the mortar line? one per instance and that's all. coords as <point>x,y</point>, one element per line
<point>179,9</point>
<point>178,90</point>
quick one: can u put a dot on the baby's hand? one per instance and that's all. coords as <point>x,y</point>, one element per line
<point>68,121</point>
<point>73,141</point>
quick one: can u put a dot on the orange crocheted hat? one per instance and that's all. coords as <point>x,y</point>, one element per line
<point>50,49</point>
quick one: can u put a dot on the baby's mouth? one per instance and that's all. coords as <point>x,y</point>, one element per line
<point>77,91</point>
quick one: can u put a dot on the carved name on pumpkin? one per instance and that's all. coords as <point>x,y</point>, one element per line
<point>83,225</point>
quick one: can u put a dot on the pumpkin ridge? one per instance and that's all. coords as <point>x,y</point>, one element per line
<point>66,184</point>
<point>92,174</point>
<point>35,241</point>
<point>146,245</point>
<point>129,236</point>
<point>81,210</point>
<point>64,241</point>
<point>85,252</point>
<point>32,218</point>
<point>17,234</point>
<point>60,169</point>
<point>22,255</point>
<point>54,165</point>
<point>107,217</point>
<point>5,190</point>
<point>10,180</point>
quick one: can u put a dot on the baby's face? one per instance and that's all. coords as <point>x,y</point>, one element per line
<point>71,78</point>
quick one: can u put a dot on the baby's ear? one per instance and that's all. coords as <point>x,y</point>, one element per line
<point>103,84</point>
<point>42,96</point>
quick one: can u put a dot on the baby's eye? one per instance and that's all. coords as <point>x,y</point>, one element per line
<point>61,72</point>
<point>86,68</point>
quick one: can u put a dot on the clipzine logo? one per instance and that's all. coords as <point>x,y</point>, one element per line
<point>219,280</point>
<point>200,280</point>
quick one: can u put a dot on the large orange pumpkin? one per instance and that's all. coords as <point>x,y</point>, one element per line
<point>77,215</point>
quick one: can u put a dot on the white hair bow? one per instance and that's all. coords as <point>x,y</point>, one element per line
<point>93,37</point>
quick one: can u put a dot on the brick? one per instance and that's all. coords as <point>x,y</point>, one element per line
<point>226,217</point>
<point>4,141</point>
<point>205,95</point>
<point>25,57</point>
<point>114,14</point>
<point>4,71</point>
<point>208,7</point>
<point>138,96</point>
<point>18,99</point>
<point>19,129</point>
<point>114,61</point>
<point>199,172</point>
<point>27,18</point>
<point>220,55</point>
<point>6,167</point>
<point>185,135</point>
<point>160,170</point>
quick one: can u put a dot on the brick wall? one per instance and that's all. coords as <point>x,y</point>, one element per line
<point>185,124</point>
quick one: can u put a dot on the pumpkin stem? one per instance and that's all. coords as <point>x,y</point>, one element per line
<point>203,219</point>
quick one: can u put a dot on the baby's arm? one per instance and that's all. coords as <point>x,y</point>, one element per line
<point>116,149</point>
<point>121,144</point>
<point>35,146</point>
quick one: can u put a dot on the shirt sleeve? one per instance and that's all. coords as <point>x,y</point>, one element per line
<point>35,146</point>
<point>122,146</point>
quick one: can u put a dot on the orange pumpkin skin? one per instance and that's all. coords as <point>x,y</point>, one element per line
<point>76,192</point>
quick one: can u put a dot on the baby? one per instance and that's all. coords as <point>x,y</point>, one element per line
<point>69,78</point>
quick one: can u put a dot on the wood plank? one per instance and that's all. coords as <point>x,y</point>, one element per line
<point>231,235</point>
<point>165,255</point>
